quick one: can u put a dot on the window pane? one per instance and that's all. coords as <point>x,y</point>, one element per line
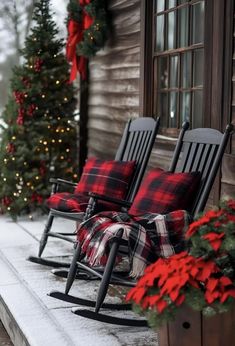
<point>198,67</point>
<point>183,26</point>
<point>171,3</point>
<point>160,33</point>
<point>162,108</point>
<point>198,23</point>
<point>185,107</point>
<point>197,108</point>
<point>171,29</point>
<point>186,70</point>
<point>173,110</point>
<point>174,71</point>
<point>160,5</point>
<point>162,74</point>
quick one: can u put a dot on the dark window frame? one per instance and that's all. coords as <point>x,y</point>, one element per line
<point>217,67</point>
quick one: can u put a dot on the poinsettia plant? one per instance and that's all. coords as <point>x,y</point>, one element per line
<point>202,278</point>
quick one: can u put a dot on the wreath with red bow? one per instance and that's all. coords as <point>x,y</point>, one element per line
<point>87,33</point>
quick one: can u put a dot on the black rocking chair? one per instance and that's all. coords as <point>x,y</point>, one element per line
<point>136,145</point>
<point>196,150</point>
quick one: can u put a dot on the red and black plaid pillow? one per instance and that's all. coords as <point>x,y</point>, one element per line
<point>162,192</point>
<point>108,178</point>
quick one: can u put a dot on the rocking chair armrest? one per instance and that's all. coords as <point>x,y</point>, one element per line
<point>57,182</point>
<point>120,202</point>
<point>62,182</point>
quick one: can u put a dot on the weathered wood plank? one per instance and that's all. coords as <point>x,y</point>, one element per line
<point>114,80</point>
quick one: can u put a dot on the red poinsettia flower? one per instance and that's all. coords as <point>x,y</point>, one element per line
<point>231,204</point>
<point>215,239</point>
<point>209,216</point>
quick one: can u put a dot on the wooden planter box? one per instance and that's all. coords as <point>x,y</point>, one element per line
<point>192,329</point>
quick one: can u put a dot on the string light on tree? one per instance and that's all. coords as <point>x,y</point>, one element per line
<point>40,103</point>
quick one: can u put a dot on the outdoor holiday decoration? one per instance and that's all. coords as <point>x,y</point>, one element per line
<point>39,135</point>
<point>87,33</point>
<point>202,278</point>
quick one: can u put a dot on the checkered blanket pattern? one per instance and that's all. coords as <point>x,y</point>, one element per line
<point>148,237</point>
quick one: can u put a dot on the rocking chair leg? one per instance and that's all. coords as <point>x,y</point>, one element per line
<point>103,288</point>
<point>73,268</point>
<point>44,237</point>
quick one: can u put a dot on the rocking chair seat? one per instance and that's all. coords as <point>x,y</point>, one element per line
<point>68,202</point>
<point>75,203</point>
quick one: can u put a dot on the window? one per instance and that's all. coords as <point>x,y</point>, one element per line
<point>178,61</point>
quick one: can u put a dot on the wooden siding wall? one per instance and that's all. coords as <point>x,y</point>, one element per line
<point>114,80</point>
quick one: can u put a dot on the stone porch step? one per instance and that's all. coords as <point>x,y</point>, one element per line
<point>33,318</point>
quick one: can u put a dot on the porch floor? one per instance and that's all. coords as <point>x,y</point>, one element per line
<point>33,318</point>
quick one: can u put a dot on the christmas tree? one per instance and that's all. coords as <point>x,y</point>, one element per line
<point>39,136</point>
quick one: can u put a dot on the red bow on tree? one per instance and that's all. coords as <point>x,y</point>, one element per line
<point>75,35</point>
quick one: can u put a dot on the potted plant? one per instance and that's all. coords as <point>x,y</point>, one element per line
<point>193,284</point>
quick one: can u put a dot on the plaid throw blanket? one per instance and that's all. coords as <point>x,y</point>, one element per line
<point>148,237</point>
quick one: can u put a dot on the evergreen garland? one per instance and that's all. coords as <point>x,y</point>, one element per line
<point>94,37</point>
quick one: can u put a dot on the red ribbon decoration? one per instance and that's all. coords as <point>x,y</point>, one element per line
<point>75,35</point>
